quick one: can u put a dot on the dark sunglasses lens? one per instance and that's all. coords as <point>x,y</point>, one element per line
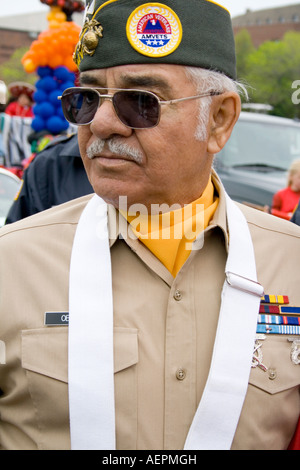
<point>80,106</point>
<point>136,109</point>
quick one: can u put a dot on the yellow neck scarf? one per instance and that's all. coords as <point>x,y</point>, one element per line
<point>169,235</point>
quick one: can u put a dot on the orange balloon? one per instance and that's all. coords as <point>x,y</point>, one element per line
<point>41,57</point>
<point>28,55</point>
<point>35,45</point>
<point>70,64</point>
<point>55,61</point>
<point>53,24</point>
<point>29,66</point>
<point>54,44</point>
<point>66,48</point>
<point>62,37</point>
<point>39,50</point>
<point>60,16</point>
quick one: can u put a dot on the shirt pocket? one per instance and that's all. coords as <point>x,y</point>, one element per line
<point>271,409</point>
<point>281,374</point>
<point>45,359</point>
<point>126,386</point>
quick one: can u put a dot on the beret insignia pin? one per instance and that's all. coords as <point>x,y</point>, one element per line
<point>89,40</point>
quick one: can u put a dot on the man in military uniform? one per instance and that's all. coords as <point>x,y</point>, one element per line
<point>55,175</point>
<point>157,313</point>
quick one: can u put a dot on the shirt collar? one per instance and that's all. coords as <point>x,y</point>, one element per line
<point>118,227</point>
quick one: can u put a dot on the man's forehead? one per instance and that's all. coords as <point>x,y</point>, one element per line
<point>152,76</point>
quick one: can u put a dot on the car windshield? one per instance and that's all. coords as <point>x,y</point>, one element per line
<point>261,144</point>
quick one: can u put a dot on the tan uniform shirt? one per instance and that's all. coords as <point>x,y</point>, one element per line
<point>163,339</point>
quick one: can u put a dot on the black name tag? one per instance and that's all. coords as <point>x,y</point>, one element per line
<point>57,318</point>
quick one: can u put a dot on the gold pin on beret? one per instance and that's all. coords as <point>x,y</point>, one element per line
<point>89,40</point>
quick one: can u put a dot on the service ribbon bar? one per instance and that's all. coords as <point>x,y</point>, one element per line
<point>278,329</point>
<point>278,320</point>
<point>275,299</point>
<point>269,308</point>
<point>290,310</point>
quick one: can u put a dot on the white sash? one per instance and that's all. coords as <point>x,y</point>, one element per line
<point>217,416</point>
<point>91,388</point>
<point>91,365</point>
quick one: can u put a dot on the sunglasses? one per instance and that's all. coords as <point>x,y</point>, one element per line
<point>137,109</point>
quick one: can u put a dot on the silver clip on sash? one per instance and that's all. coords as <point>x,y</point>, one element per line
<point>244,284</point>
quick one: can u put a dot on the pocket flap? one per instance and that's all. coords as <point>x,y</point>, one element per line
<point>125,348</point>
<point>282,374</point>
<point>45,350</point>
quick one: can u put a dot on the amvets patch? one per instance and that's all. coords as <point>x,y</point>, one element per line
<point>154,30</point>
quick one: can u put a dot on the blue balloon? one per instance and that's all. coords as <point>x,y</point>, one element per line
<point>38,124</point>
<point>47,84</point>
<point>53,98</point>
<point>55,125</point>
<point>37,109</point>
<point>46,110</point>
<point>44,71</point>
<point>62,73</point>
<point>40,96</point>
<point>60,113</point>
<point>66,85</point>
<point>39,84</point>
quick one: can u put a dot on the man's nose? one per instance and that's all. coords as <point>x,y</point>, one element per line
<point>106,122</point>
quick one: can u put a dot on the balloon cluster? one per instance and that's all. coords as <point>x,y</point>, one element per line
<point>55,46</point>
<point>47,111</point>
<point>51,57</point>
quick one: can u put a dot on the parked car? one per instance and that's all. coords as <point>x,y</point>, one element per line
<point>254,163</point>
<point>9,186</point>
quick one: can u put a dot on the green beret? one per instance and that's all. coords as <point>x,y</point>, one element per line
<point>186,32</point>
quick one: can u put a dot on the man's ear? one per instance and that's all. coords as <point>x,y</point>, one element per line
<point>225,112</point>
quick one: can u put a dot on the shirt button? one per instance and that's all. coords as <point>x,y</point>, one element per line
<point>272,374</point>
<point>180,374</point>
<point>177,295</point>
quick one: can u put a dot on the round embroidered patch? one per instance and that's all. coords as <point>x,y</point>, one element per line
<point>154,30</point>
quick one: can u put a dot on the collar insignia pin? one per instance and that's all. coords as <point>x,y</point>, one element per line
<point>295,351</point>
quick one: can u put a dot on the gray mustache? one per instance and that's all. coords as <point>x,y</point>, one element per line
<point>116,147</point>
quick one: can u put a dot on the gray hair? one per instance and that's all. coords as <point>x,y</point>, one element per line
<point>206,81</point>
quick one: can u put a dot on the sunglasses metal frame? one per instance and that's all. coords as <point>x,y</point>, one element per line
<point>110,96</point>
